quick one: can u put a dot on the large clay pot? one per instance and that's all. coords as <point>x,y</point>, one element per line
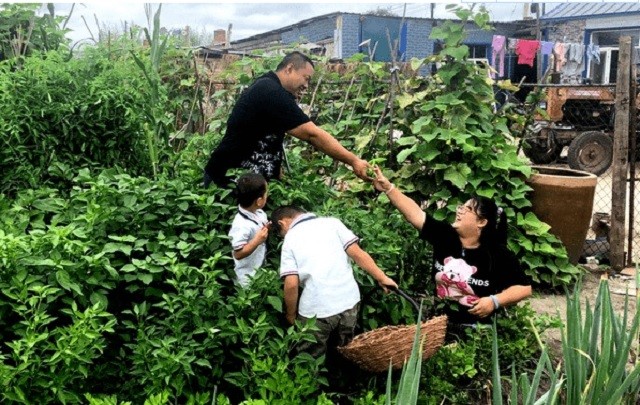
<point>563,198</point>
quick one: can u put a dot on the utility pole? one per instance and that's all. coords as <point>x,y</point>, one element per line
<point>538,38</point>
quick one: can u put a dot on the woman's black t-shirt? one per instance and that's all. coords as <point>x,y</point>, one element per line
<point>465,275</point>
<point>255,130</point>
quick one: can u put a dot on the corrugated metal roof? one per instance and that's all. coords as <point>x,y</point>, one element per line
<point>570,11</point>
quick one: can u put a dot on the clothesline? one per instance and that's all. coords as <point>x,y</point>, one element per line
<point>569,58</point>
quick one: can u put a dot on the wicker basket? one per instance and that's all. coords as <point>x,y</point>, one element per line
<point>376,349</point>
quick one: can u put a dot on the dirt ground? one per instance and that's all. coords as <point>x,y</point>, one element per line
<point>620,284</point>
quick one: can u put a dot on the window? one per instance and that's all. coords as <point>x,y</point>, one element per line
<point>606,71</point>
<point>477,51</point>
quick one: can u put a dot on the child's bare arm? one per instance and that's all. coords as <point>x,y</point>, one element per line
<point>252,245</point>
<point>291,284</point>
<point>366,262</point>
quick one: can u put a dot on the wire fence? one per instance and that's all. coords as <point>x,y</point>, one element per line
<point>577,131</point>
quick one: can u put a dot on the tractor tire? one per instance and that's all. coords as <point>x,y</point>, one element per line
<point>591,152</point>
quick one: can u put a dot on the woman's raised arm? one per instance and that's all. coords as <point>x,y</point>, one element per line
<point>409,208</point>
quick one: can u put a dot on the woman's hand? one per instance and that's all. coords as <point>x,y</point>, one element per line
<point>483,307</point>
<point>380,182</point>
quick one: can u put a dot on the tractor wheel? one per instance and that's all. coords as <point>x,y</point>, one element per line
<point>591,152</point>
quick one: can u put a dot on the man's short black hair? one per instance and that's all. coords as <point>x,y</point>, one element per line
<point>298,59</point>
<point>250,187</point>
<point>285,211</point>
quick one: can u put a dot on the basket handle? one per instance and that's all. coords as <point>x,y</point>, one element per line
<point>405,296</point>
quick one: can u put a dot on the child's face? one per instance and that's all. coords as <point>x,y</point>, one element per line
<point>283,226</point>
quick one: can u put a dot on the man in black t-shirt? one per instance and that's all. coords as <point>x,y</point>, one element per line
<point>262,115</point>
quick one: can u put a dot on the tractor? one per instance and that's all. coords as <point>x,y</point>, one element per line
<point>580,117</point>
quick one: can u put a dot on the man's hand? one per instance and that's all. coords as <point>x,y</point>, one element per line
<point>360,169</point>
<point>483,308</point>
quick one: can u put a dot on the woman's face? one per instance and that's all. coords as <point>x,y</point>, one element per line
<point>467,221</point>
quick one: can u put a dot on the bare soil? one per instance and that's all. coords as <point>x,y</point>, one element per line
<point>620,285</point>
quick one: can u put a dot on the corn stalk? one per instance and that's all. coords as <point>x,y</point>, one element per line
<point>155,131</point>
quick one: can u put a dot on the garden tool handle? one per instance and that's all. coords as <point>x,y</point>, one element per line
<point>405,296</point>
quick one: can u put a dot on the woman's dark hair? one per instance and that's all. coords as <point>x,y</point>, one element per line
<point>250,187</point>
<point>298,59</point>
<point>285,211</point>
<point>495,232</point>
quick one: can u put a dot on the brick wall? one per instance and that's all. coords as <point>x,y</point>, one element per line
<point>350,35</point>
<point>418,43</point>
<point>567,32</point>
<point>315,31</point>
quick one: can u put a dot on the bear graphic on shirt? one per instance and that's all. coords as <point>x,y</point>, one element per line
<point>452,282</point>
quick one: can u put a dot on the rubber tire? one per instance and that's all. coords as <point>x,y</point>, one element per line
<point>591,152</point>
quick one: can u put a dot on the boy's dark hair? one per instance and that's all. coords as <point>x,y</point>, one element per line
<point>285,211</point>
<point>298,59</point>
<point>495,232</point>
<point>250,187</point>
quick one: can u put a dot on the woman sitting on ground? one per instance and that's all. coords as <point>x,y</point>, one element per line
<point>474,270</point>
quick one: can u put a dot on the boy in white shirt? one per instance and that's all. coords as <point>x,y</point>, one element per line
<point>250,227</point>
<point>315,256</point>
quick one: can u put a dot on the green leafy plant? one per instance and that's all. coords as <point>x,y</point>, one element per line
<point>595,351</point>
<point>409,384</point>
<point>453,144</point>
<point>524,390</point>
<point>23,32</point>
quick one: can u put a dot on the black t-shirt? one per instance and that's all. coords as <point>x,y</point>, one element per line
<point>255,130</point>
<point>465,275</point>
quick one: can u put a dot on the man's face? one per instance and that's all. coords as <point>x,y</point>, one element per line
<point>297,80</point>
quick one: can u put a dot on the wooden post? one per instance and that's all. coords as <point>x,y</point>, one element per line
<point>633,131</point>
<point>620,167</point>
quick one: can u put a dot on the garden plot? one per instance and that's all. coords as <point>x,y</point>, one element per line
<point>622,287</point>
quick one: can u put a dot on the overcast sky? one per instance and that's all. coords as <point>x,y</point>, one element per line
<point>247,18</point>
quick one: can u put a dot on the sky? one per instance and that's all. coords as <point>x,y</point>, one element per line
<point>247,19</point>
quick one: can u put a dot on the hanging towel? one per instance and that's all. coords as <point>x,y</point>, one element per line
<point>546,47</point>
<point>498,46</point>
<point>512,42</point>
<point>558,53</point>
<point>575,60</point>
<point>593,53</point>
<point>526,50</point>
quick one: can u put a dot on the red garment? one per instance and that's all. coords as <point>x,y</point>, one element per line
<point>526,50</point>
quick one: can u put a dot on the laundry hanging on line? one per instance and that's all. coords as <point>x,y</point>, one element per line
<point>569,58</point>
